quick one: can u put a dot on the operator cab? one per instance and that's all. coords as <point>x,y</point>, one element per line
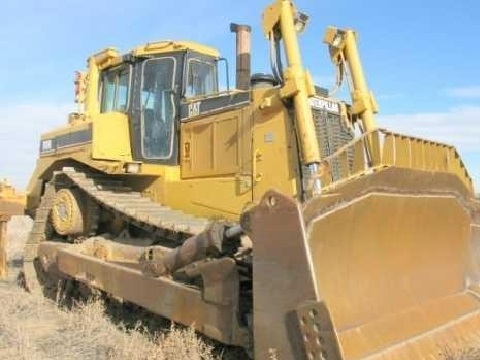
<point>152,85</point>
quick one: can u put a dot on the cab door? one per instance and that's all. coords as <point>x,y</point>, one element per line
<point>155,110</point>
<point>110,128</point>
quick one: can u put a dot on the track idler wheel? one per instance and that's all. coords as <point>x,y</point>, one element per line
<point>73,214</point>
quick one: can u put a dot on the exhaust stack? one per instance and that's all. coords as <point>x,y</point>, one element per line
<point>243,50</point>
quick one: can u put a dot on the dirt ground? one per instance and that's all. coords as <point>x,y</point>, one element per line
<point>35,328</point>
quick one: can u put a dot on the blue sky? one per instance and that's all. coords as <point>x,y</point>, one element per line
<point>421,59</point>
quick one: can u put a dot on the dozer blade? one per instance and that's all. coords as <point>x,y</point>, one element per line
<point>11,207</point>
<point>383,267</point>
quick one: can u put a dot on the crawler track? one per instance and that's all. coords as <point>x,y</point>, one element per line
<point>157,220</point>
<point>37,234</point>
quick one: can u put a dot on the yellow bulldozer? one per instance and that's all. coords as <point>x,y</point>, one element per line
<point>11,203</point>
<point>272,216</point>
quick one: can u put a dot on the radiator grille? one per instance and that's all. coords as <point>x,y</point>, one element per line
<point>332,133</point>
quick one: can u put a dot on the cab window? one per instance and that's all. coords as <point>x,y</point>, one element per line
<point>115,86</point>
<point>201,77</point>
<point>158,107</point>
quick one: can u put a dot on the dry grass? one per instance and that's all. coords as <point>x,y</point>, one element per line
<point>470,353</point>
<point>34,328</point>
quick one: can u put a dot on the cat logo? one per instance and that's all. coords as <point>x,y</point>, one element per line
<point>319,103</point>
<point>194,109</point>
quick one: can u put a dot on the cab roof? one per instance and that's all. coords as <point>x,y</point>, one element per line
<point>167,46</point>
<point>111,56</point>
